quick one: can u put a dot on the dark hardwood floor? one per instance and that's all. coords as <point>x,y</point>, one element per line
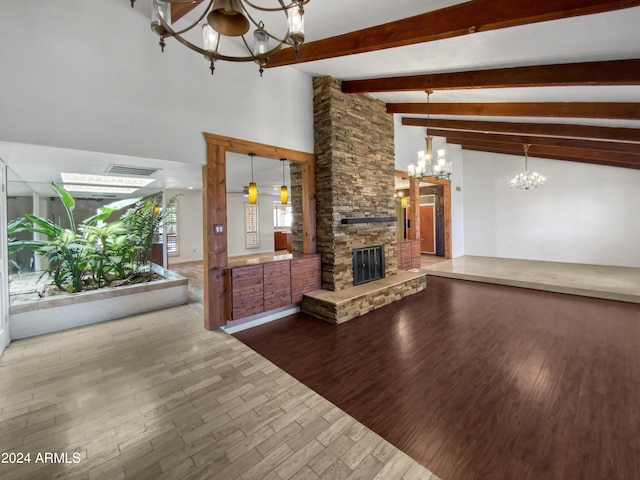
<point>479,381</point>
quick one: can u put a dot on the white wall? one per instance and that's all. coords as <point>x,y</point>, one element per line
<point>90,75</point>
<point>190,230</point>
<point>235,224</point>
<point>410,140</point>
<point>584,213</point>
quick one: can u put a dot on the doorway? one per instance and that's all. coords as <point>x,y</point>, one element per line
<point>4,274</point>
<point>427,229</point>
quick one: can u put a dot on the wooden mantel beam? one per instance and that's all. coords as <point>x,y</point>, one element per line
<point>621,110</point>
<point>462,19</point>
<point>539,129</point>
<point>458,137</point>
<point>615,72</point>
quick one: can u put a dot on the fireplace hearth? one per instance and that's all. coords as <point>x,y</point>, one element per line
<point>368,264</point>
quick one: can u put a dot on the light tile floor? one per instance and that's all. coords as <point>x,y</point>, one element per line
<point>613,283</point>
<point>155,396</point>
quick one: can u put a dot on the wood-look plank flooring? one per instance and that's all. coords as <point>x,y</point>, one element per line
<point>479,381</point>
<point>155,396</point>
<point>194,271</point>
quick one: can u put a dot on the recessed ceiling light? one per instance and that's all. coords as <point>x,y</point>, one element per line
<point>190,188</point>
<point>106,180</point>
<point>98,189</point>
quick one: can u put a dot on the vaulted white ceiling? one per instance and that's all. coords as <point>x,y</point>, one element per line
<point>605,36</point>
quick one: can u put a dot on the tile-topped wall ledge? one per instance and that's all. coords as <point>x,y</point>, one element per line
<point>52,314</point>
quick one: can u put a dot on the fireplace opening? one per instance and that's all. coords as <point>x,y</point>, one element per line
<point>368,264</point>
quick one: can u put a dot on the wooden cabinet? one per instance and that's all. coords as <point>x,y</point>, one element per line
<point>305,276</point>
<point>282,241</point>
<point>277,285</point>
<point>247,291</point>
<point>408,253</point>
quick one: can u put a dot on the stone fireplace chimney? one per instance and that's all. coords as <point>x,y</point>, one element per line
<point>354,148</point>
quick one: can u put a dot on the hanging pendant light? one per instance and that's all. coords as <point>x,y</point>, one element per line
<point>284,192</point>
<point>253,189</point>
<point>426,164</point>
<point>527,180</point>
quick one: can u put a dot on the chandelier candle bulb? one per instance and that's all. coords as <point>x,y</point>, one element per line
<point>209,38</point>
<point>163,11</point>
<point>260,41</point>
<point>296,23</point>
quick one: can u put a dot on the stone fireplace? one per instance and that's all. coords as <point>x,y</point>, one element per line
<point>355,205</point>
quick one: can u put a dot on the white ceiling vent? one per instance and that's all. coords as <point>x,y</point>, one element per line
<point>128,170</point>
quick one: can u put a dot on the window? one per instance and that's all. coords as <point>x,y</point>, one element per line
<point>171,222</point>
<point>282,215</point>
<point>171,225</point>
<point>251,226</point>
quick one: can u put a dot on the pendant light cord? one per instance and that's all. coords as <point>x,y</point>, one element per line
<point>429,92</point>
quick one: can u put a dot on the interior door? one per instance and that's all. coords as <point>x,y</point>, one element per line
<point>427,229</point>
<point>4,278</point>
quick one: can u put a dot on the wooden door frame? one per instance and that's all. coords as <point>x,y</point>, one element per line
<point>414,192</point>
<point>214,203</point>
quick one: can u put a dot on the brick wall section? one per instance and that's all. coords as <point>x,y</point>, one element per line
<point>354,178</point>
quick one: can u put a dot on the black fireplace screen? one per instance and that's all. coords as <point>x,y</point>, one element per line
<point>368,264</point>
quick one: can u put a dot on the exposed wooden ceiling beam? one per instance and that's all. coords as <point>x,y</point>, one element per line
<point>179,10</point>
<point>539,129</point>
<point>519,140</point>
<point>608,163</point>
<point>621,110</point>
<point>462,19</point>
<point>547,151</point>
<point>615,72</point>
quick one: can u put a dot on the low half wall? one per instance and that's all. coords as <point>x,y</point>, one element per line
<point>52,314</point>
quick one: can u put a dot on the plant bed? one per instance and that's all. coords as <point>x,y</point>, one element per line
<point>98,271</point>
<point>63,310</point>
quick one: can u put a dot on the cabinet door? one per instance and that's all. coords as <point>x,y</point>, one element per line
<point>277,285</point>
<point>247,285</point>
<point>305,276</point>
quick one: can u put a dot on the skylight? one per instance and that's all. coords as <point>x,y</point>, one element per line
<point>88,179</point>
<point>98,189</point>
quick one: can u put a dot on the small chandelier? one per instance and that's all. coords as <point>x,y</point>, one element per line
<point>231,18</point>
<point>425,165</point>
<point>253,188</point>
<point>527,180</point>
<point>284,192</point>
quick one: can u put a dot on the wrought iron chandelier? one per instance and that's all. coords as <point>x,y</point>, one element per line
<point>527,180</point>
<point>231,18</point>
<point>425,166</point>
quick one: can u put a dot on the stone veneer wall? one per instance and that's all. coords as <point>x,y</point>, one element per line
<point>354,178</point>
<point>295,197</point>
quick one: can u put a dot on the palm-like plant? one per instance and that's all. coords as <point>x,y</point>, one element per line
<point>73,253</point>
